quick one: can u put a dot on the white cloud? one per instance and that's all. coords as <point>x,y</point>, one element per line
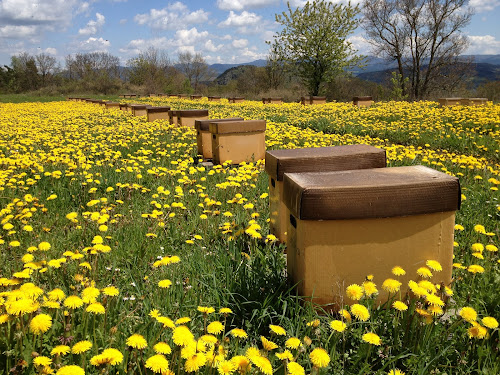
<point>484,5</point>
<point>136,46</point>
<point>50,51</point>
<point>94,45</point>
<point>172,17</point>
<point>29,12</point>
<point>184,49</point>
<point>93,27</point>
<point>190,37</point>
<point>242,4</point>
<point>240,43</point>
<point>239,20</point>
<point>211,47</point>
<point>360,44</point>
<point>301,3</point>
<point>123,21</point>
<point>483,45</point>
<point>18,32</point>
<point>227,37</point>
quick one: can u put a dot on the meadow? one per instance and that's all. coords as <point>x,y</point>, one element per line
<point>121,253</point>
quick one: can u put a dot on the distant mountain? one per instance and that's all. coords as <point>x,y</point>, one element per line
<point>232,73</point>
<point>482,72</point>
<point>221,68</point>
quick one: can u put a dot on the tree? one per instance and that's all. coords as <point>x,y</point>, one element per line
<point>275,69</point>
<point>98,71</point>
<point>195,68</point>
<point>26,76</point>
<point>46,66</point>
<point>424,38</point>
<point>152,69</point>
<point>313,41</point>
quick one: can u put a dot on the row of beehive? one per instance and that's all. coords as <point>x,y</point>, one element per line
<point>462,101</point>
<point>220,140</point>
<point>341,213</point>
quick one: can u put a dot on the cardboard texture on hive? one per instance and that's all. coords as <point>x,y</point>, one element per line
<point>192,113</point>
<point>312,159</point>
<point>204,125</point>
<point>247,126</point>
<point>370,193</point>
<point>158,109</point>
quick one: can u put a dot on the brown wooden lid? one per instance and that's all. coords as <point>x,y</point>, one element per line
<point>204,125</point>
<point>158,109</point>
<point>336,158</point>
<point>370,193</point>
<point>237,126</point>
<point>192,113</point>
<point>138,106</point>
<point>361,98</point>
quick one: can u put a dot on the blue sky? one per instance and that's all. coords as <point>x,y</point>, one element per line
<point>224,31</point>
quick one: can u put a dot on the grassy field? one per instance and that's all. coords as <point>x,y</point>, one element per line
<point>121,253</point>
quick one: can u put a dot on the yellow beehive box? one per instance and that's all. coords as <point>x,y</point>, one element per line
<point>123,107</point>
<point>236,99</point>
<point>313,100</point>
<point>204,137</point>
<point>478,101</point>
<point>157,113</point>
<point>238,141</point>
<point>346,225</point>
<point>187,117</point>
<point>114,105</point>
<point>182,96</point>
<point>449,101</point>
<point>195,97</point>
<point>362,101</point>
<point>214,98</point>
<point>139,109</point>
<point>337,158</point>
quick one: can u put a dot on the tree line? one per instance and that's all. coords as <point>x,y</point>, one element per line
<point>310,55</point>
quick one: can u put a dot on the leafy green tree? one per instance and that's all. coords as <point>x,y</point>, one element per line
<point>314,41</point>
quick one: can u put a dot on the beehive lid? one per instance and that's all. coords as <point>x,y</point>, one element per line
<point>361,98</point>
<point>337,158</point>
<point>158,109</point>
<point>203,125</point>
<point>192,113</point>
<point>370,193</point>
<point>113,103</point>
<point>138,106</point>
<point>247,126</point>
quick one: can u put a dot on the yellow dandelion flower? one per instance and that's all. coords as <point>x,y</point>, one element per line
<point>164,283</point>
<point>490,322</point>
<point>391,285</point>
<point>81,347</point>
<point>40,324</point>
<point>206,310</point>
<point>477,331</point>
<point>73,302</point>
<point>238,333</point>
<point>137,341</point>
<point>195,362</point>
<point>338,325</point>
<point>182,320</point>
<point>292,343</point>
<point>70,370</point>
<point>354,292</point>
<point>60,350</point>
<point>263,365</point>
<point>225,311</point>
<point>345,315</point>
<point>475,268</point>
<point>314,323</point>
<point>360,312</point>
<point>280,331</point>
<point>477,247</point>
<point>369,288</point>
<point>434,265</point>
<point>242,363</point>
<point>371,338</point>
<point>215,328</point>
<point>267,344</point>
<point>182,336</point>
<point>110,291</point>
<point>400,306</point>
<point>162,348</point>
<point>480,229</point>
<point>295,369</point>
<point>396,372</point>
<point>398,271</point>
<point>44,246</point>
<point>468,314</point>
<point>424,272</point>
<point>96,308</point>
<point>319,358</point>
<point>157,363</point>
<point>42,361</point>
